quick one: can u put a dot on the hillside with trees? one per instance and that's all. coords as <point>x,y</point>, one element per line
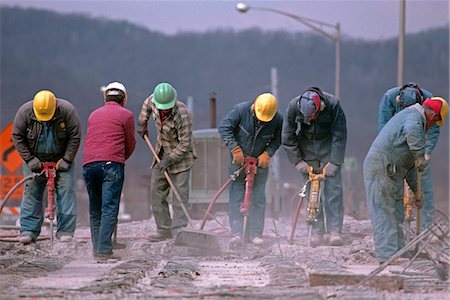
<point>74,55</point>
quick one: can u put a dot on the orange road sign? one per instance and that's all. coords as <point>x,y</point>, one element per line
<point>9,157</point>
<point>7,181</point>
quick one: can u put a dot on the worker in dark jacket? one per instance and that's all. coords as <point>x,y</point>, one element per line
<point>393,101</point>
<point>315,134</point>
<point>47,129</point>
<point>104,166</point>
<point>251,129</point>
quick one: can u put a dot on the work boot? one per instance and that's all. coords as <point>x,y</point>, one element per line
<point>159,236</point>
<point>257,241</point>
<point>335,239</point>
<point>26,239</point>
<point>316,240</point>
<point>107,258</point>
<point>65,238</point>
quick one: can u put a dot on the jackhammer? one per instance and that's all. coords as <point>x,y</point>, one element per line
<point>50,174</point>
<point>408,202</point>
<point>315,177</point>
<point>250,166</point>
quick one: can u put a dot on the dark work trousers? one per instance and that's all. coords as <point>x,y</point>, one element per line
<point>160,205</point>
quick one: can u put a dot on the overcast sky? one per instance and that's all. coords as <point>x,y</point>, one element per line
<point>369,19</point>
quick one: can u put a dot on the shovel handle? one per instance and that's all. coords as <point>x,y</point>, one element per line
<point>174,190</point>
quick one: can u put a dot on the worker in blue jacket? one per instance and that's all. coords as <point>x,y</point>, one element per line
<point>251,129</point>
<point>397,153</point>
<point>393,101</point>
<point>315,134</point>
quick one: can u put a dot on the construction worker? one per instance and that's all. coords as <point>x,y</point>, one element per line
<point>397,153</point>
<point>252,129</point>
<point>175,149</point>
<point>394,100</point>
<point>103,166</point>
<point>315,134</point>
<point>47,129</point>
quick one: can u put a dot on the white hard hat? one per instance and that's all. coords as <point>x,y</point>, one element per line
<point>111,89</point>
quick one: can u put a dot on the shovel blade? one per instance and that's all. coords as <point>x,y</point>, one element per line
<point>197,239</point>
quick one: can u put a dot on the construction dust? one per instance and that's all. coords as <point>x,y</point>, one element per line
<point>276,270</point>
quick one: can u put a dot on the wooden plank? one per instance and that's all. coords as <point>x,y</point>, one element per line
<point>381,282</point>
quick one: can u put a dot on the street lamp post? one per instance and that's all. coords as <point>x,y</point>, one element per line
<point>314,25</point>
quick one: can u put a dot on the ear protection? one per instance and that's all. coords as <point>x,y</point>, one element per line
<point>413,85</point>
<point>321,104</point>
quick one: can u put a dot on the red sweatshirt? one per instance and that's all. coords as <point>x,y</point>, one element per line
<point>110,134</point>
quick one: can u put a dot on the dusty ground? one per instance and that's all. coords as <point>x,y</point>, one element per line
<point>276,270</point>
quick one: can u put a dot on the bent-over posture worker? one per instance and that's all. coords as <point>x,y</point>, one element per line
<point>252,129</point>
<point>394,100</point>
<point>315,134</point>
<point>175,149</point>
<point>109,143</point>
<point>396,151</point>
<point>47,129</point>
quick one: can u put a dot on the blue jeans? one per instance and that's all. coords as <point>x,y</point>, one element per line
<point>104,182</point>
<point>32,211</point>
<point>257,205</point>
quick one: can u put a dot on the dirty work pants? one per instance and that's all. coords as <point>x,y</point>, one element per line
<point>160,205</point>
<point>32,211</point>
<point>385,206</point>
<point>427,212</point>
<point>257,207</point>
<point>104,182</point>
<point>331,203</point>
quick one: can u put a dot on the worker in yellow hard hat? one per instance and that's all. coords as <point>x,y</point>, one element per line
<point>47,129</point>
<point>251,129</point>
<point>398,153</point>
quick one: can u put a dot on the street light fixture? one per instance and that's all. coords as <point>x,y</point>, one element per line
<point>314,25</point>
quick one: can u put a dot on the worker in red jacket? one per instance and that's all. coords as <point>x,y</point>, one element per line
<point>109,143</point>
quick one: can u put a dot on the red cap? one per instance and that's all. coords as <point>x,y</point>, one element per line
<point>435,105</point>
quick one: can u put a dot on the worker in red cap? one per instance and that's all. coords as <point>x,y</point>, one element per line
<point>397,153</point>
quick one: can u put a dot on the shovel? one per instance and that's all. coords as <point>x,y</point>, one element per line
<point>187,237</point>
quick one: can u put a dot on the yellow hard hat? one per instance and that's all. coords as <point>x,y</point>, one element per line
<point>266,106</point>
<point>44,105</point>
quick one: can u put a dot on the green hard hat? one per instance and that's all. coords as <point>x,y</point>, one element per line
<point>164,96</point>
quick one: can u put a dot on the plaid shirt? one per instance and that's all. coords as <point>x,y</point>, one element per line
<point>174,135</point>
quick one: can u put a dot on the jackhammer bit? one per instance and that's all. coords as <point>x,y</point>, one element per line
<point>314,199</point>
<point>50,174</point>
<point>250,167</point>
<point>408,202</point>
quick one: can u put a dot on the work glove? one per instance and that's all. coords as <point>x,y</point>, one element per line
<point>422,163</point>
<point>63,165</point>
<point>35,165</point>
<point>418,200</point>
<point>164,164</point>
<point>264,160</point>
<point>238,156</point>
<point>331,169</point>
<point>302,167</point>
<point>143,133</point>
